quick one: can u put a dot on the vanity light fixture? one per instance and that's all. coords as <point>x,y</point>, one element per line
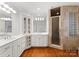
<point>7,8</point>
<point>5,18</point>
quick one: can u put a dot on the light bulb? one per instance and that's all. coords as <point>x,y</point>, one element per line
<point>42,19</point>
<point>38,18</point>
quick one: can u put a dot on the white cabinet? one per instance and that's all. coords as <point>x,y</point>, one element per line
<point>6,50</point>
<point>16,48</point>
<point>28,42</point>
<point>39,41</point>
<point>23,44</point>
<point>19,46</point>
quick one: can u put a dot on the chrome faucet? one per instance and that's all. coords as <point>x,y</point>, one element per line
<point>5,36</point>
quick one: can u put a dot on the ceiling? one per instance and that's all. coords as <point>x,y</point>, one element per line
<point>37,8</point>
<point>4,14</point>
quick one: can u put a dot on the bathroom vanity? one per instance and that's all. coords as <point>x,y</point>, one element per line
<point>14,46</point>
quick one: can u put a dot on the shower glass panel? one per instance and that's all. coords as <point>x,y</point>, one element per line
<point>72,24</point>
<point>55,31</point>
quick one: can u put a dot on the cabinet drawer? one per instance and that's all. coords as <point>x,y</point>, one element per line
<point>8,53</point>
<point>5,48</point>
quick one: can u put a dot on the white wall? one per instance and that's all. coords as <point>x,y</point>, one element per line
<point>17,23</point>
<point>17,28</point>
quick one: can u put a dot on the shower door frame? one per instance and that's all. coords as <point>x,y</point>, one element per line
<point>50,34</point>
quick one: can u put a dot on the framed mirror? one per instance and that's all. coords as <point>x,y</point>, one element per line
<point>5,22</point>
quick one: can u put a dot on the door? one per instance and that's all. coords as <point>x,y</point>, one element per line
<point>55,31</point>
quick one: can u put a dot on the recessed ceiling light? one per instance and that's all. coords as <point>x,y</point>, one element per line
<point>38,8</point>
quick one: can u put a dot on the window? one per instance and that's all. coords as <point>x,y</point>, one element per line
<point>39,25</point>
<point>72,24</point>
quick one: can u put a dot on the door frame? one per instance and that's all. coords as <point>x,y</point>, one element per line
<point>50,34</point>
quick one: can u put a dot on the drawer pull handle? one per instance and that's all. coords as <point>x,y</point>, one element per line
<point>8,56</point>
<point>7,47</point>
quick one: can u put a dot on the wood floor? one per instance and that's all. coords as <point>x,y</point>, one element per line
<point>48,52</point>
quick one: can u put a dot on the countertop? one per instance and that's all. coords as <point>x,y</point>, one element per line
<point>13,38</point>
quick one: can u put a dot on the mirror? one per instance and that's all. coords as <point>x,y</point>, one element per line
<point>5,22</point>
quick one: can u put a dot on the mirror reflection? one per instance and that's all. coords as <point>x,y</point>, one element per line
<point>5,23</point>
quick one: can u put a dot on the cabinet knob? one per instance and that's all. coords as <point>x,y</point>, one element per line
<point>8,55</point>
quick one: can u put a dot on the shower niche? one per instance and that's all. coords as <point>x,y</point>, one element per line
<point>63,27</point>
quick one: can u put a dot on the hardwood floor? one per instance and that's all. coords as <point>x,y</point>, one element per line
<point>48,52</point>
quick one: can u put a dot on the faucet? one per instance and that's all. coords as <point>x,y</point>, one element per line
<point>5,36</point>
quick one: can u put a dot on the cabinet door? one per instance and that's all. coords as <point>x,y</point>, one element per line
<point>35,41</point>
<point>6,51</point>
<point>16,48</point>
<point>43,40</point>
<point>23,44</point>
<point>28,42</point>
<point>39,41</point>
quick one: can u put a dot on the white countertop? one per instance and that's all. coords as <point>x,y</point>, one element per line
<point>39,33</point>
<point>13,38</point>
